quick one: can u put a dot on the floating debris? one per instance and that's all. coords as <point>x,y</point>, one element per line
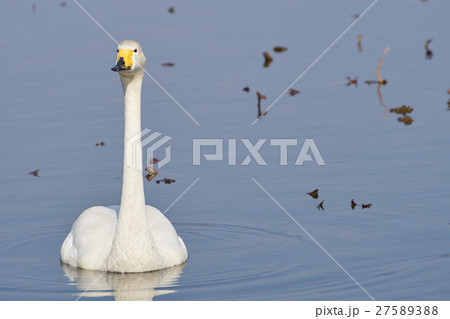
<point>369,82</point>
<point>35,173</point>
<point>63,4</point>
<point>403,110</point>
<point>100,144</point>
<point>359,43</point>
<point>380,97</point>
<point>353,204</point>
<point>154,160</point>
<point>33,7</point>
<point>268,59</point>
<point>428,52</point>
<point>355,16</point>
<point>169,64</point>
<point>165,180</point>
<point>314,194</point>
<point>352,81</point>
<point>171,10</point>
<point>260,97</point>
<point>380,80</point>
<point>246,89</point>
<point>363,206</point>
<point>448,102</point>
<point>293,92</point>
<point>407,120</point>
<point>320,206</point>
<point>151,173</point>
<point>279,49</point>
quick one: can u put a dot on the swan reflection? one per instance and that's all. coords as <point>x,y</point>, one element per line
<point>131,286</point>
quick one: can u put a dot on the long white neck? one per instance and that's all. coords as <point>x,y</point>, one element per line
<point>132,203</point>
<point>132,233</point>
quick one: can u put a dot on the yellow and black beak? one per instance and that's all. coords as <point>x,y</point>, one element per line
<point>124,60</point>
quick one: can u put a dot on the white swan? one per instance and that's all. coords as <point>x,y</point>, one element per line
<point>140,238</point>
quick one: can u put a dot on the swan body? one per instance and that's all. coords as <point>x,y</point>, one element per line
<point>89,243</point>
<point>132,237</point>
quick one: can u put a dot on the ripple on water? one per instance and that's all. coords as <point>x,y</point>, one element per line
<point>225,262</point>
<point>223,241</point>
<point>240,262</point>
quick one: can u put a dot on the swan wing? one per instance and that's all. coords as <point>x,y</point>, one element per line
<point>89,242</point>
<point>170,246</point>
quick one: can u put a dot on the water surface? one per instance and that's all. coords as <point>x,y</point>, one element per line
<point>59,98</point>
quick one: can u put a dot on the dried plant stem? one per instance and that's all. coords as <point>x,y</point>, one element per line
<point>260,97</point>
<point>380,98</point>
<point>359,42</point>
<point>380,80</point>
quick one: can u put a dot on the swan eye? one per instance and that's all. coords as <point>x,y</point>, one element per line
<point>135,50</point>
<point>117,50</point>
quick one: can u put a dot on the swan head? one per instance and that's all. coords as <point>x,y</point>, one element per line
<point>130,58</point>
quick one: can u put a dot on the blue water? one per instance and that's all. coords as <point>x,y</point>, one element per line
<point>59,98</point>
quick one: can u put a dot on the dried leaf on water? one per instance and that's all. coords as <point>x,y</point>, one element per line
<point>34,173</point>
<point>369,82</point>
<point>359,43</point>
<point>403,110</point>
<point>279,49</point>
<point>314,193</point>
<point>165,181</point>
<point>320,206</point>
<point>352,81</point>
<point>428,52</point>
<point>407,120</point>
<point>151,173</point>
<point>267,59</point>
<point>448,102</point>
